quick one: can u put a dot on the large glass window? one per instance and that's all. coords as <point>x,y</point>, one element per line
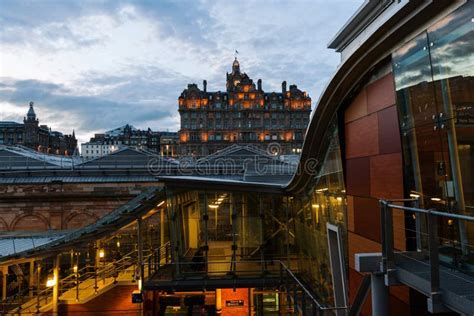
<point>228,232</point>
<point>324,202</point>
<point>435,95</point>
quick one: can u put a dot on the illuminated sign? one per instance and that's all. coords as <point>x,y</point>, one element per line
<point>234,303</point>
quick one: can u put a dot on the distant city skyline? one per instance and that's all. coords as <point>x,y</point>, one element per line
<point>94,66</point>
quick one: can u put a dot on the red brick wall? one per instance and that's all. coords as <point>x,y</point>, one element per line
<point>37,207</point>
<point>374,170</point>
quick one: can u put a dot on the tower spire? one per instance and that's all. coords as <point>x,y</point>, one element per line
<point>235,66</point>
<point>31,115</point>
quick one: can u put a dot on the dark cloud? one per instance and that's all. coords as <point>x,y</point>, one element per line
<point>278,41</point>
<point>88,112</point>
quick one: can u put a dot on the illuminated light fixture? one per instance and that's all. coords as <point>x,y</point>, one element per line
<point>339,199</point>
<point>74,269</point>
<point>101,253</point>
<point>414,216</point>
<point>51,282</point>
<point>414,195</point>
<point>213,206</point>
<point>140,284</point>
<point>220,199</point>
<point>118,243</point>
<point>436,199</point>
<point>160,204</point>
<point>315,205</point>
<point>322,190</point>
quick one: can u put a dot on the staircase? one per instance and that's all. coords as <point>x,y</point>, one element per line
<point>87,283</point>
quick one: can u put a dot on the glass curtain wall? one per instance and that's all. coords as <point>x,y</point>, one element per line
<point>212,231</point>
<point>323,203</point>
<point>435,95</point>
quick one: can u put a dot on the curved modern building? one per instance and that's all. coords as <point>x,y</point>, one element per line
<point>382,202</point>
<point>393,127</point>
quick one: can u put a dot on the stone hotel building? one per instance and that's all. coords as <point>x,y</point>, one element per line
<point>243,114</point>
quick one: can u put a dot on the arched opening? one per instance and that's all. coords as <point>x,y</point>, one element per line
<point>30,223</point>
<point>3,225</point>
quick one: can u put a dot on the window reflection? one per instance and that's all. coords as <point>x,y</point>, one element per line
<point>324,203</point>
<point>435,96</point>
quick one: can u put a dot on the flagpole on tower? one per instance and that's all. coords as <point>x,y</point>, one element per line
<point>236,53</point>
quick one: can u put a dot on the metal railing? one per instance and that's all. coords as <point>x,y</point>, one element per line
<point>300,299</point>
<point>30,301</point>
<point>427,239</point>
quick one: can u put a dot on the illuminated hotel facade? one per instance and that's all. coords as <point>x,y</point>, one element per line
<point>381,225</point>
<point>243,114</point>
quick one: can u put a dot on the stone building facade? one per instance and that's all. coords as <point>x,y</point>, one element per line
<point>162,142</point>
<point>61,205</point>
<point>35,136</point>
<point>243,114</point>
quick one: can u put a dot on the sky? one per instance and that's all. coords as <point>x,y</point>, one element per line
<point>91,66</point>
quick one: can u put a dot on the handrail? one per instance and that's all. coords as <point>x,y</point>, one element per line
<point>290,273</point>
<point>428,211</point>
<point>388,262</point>
<point>282,269</point>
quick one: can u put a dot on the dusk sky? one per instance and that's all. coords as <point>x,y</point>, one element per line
<point>95,65</point>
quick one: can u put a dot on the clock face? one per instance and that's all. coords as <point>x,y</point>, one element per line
<point>236,82</point>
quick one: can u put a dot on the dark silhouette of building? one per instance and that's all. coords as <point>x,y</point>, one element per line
<point>35,136</point>
<point>244,114</point>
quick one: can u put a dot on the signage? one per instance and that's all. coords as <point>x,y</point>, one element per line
<point>137,297</point>
<point>234,303</point>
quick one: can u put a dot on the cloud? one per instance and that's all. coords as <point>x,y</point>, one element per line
<point>94,65</point>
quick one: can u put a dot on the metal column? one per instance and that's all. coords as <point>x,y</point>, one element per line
<point>140,252</point>
<point>56,284</point>
<point>379,294</point>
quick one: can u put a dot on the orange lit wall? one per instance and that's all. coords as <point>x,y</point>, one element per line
<point>116,301</point>
<point>238,294</point>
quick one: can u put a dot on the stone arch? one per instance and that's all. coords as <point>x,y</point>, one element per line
<point>79,219</point>
<point>30,222</point>
<point>3,225</point>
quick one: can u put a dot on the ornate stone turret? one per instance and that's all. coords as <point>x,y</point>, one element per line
<point>235,67</point>
<point>31,115</point>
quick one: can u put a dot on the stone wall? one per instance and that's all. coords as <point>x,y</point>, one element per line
<point>39,207</point>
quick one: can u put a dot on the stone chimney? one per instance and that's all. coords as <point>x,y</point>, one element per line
<point>259,84</point>
<point>204,85</point>
<point>283,87</point>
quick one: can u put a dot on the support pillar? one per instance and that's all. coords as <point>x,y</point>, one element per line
<point>31,278</point>
<point>282,303</point>
<point>162,227</point>
<point>56,285</point>
<point>218,301</point>
<point>140,253</point>
<point>380,294</point>
<point>4,282</point>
